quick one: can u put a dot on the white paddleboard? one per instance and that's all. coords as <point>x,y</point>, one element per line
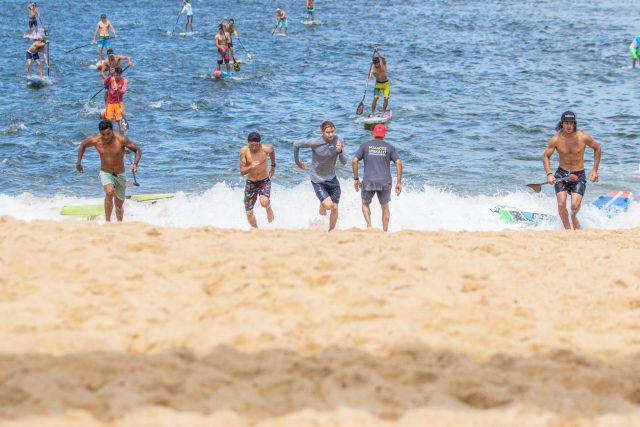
<point>378,118</point>
<point>188,33</point>
<point>316,22</point>
<point>34,80</point>
<point>281,34</point>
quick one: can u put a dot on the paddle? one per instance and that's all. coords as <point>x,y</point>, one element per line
<point>249,56</point>
<point>360,108</point>
<point>98,92</point>
<point>46,32</point>
<point>79,47</point>
<point>124,123</point>
<point>177,20</point>
<point>48,60</point>
<point>538,187</point>
<point>135,181</point>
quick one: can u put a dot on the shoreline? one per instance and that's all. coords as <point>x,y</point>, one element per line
<point>123,324</point>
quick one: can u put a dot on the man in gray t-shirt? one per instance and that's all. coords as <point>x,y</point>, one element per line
<point>325,151</point>
<point>378,155</point>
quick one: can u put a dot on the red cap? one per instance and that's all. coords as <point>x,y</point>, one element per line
<point>379,130</point>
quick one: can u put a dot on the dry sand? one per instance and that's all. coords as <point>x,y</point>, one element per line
<point>130,324</point>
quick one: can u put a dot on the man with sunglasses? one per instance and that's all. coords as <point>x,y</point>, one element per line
<point>379,70</point>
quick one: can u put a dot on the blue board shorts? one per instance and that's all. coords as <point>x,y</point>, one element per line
<point>33,22</point>
<point>32,56</point>
<point>330,188</point>
<point>570,186</point>
<point>103,42</point>
<point>282,23</point>
<point>384,196</point>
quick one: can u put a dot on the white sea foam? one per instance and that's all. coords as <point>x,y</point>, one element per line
<point>424,208</point>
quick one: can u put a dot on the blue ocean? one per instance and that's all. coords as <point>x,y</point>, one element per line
<point>477,88</point>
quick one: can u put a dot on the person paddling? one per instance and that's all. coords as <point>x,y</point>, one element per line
<point>117,87</point>
<point>222,45</point>
<point>281,20</point>
<point>102,27</point>
<point>189,11</point>
<point>34,13</point>
<point>379,70</point>
<point>33,54</point>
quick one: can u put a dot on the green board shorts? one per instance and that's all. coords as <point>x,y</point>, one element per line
<point>634,52</point>
<point>119,182</point>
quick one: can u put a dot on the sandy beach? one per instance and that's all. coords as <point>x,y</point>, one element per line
<point>131,324</point>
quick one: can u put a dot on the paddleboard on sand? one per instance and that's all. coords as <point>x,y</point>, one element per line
<point>221,75</point>
<point>96,207</point>
<point>379,118</point>
<point>513,215</point>
<point>613,203</point>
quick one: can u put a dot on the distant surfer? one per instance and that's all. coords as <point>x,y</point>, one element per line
<point>222,44</point>
<point>253,165</point>
<point>281,21</point>
<point>634,49</point>
<point>34,13</point>
<point>33,54</point>
<point>379,70</point>
<point>378,155</point>
<point>189,11</point>
<point>102,28</point>
<point>325,150</point>
<point>570,143</point>
<point>116,88</point>
<point>310,11</point>
<point>111,148</point>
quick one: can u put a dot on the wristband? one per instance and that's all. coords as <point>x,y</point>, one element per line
<point>356,179</point>
<point>549,174</point>
<point>273,165</point>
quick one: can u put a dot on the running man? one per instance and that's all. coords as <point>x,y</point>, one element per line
<point>189,11</point>
<point>634,48</point>
<point>34,13</point>
<point>325,150</point>
<point>281,21</point>
<point>222,44</point>
<point>111,148</point>
<point>570,143</point>
<point>310,16</point>
<point>102,28</point>
<point>379,70</point>
<point>253,164</point>
<point>117,87</point>
<point>33,54</point>
<point>377,155</point>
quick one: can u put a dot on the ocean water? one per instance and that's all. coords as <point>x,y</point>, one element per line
<point>477,88</point>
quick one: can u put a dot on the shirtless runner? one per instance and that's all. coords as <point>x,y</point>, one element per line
<point>102,28</point>
<point>570,143</point>
<point>111,148</point>
<point>253,164</point>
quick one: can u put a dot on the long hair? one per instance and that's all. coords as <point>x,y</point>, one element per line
<point>559,126</point>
